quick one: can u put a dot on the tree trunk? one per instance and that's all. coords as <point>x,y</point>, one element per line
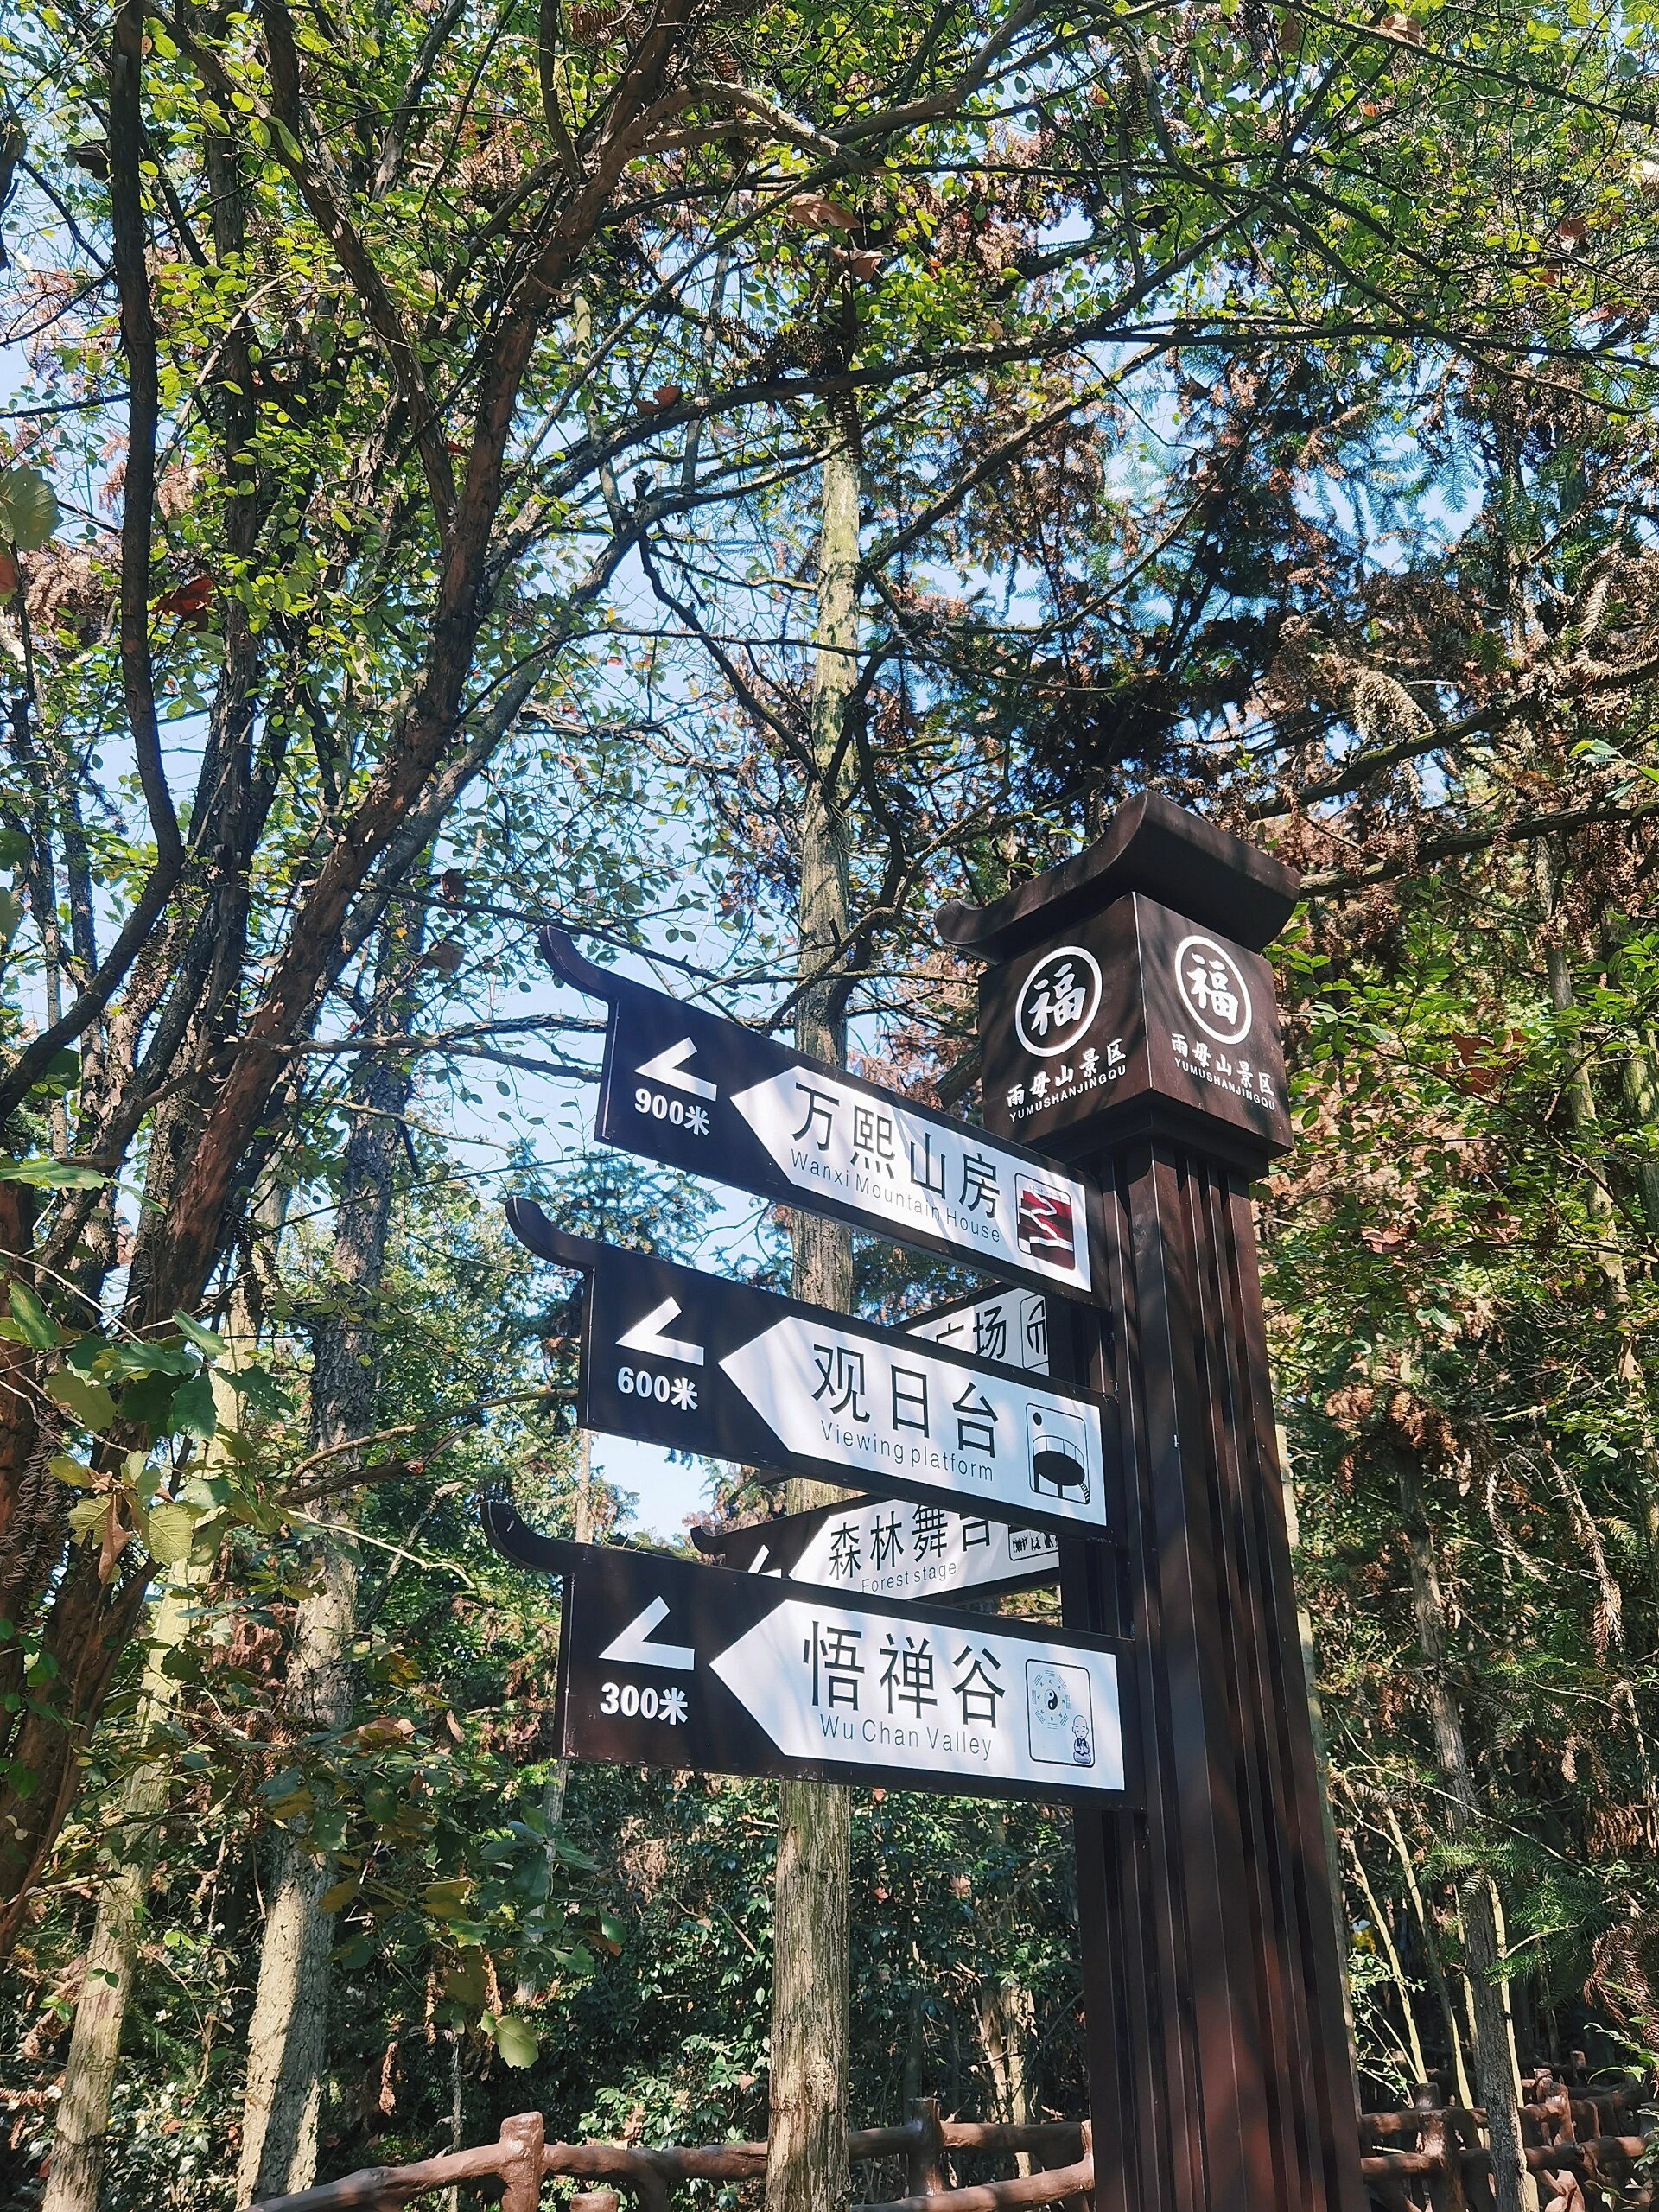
<point>1513,2187</point>
<point>1580,1098</point>
<point>79,2137</point>
<point>1007,2013</point>
<point>807,2167</point>
<point>1642,1101</point>
<point>1006,2020</point>
<point>83,2120</point>
<point>287,2032</point>
<point>1412,2049</point>
<point>526,1990</point>
<point>1428,1936</point>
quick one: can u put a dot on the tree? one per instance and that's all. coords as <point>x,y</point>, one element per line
<point>395,510</point>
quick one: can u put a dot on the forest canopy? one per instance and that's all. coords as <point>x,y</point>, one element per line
<point>725,481</point>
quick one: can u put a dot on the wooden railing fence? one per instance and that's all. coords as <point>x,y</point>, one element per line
<point>522,2159</point>
<point>1586,2145</point>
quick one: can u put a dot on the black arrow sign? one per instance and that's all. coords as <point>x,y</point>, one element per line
<point>675,1358</point>
<point>705,1094</point>
<point>664,1664</point>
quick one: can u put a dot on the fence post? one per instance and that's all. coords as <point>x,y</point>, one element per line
<point>522,2140</point>
<point>1084,2203</point>
<point>1438,2136</point>
<point>1477,2171</point>
<point>923,2174</point>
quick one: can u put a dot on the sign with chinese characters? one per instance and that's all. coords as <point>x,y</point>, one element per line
<point>1137,1003</point>
<point>665,1663</point>
<point>881,1550</point>
<point>1013,1327</point>
<point>707,1095</point>
<point>675,1358</point>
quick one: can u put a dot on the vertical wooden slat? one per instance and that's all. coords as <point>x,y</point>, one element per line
<point>1209,1960</point>
<point>1281,2013</point>
<point>1300,1826</point>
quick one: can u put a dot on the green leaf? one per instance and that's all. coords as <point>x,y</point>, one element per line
<point>259,1390</point>
<point>28,513</point>
<point>144,1357</point>
<point>148,1400</point>
<point>193,1412</point>
<point>465,1980</point>
<point>14,849</point>
<point>62,1072</point>
<point>11,913</point>
<point>207,1493</point>
<point>448,1900</point>
<point>86,1515</point>
<point>207,1341</point>
<point>515,2040</point>
<point>52,1174</point>
<point>169,1535</point>
<point>35,1324</point>
<point>328,1828</point>
<point>342,1893</point>
<point>89,1402</point>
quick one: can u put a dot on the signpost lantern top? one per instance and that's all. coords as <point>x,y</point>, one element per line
<point>1125,992</point>
<point>1153,847</point>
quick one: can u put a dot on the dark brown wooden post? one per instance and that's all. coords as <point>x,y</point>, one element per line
<point>523,2140</point>
<point>1128,1026</point>
<point>923,2164</point>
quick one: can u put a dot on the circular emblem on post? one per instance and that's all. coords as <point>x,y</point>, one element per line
<point>1058,1001</point>
<point>1213,989</point>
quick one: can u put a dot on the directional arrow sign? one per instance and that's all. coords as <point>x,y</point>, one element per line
<point>914,1551</point>
<point>784,1681</point>
<point>783,1126</point>
<point>647,1336</point>
<point>1013,1327</point>
<point>887,1550</point>
<point>634,1647</point>
<point>767,1381</point>
<point>669,1067</point>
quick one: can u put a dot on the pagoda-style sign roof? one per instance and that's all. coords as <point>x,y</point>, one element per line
<point>1152,846</point>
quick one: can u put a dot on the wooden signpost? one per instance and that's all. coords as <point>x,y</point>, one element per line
<point>1110,1404</point>
<point>1218,2056</point>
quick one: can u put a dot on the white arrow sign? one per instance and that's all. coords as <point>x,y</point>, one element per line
<point>1001,1441</point>
<point>634,1648</point>
<point>647,1336</point>
<point>668,1066</point>
<point>918,1552</point>
<point>1012,1327</point>
<point>947,1179</point>
<point>831,1681</point>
